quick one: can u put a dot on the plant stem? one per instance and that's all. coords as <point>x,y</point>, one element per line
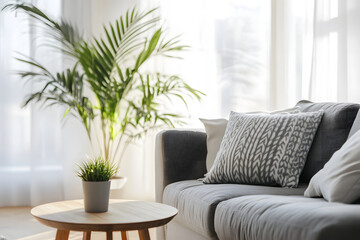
<point>127,142</point>
<point>99,143</point>
<point>119,143</point>
<point>103,128</point>
<point>109,146</point>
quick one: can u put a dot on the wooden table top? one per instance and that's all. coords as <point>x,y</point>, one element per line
<point>123,215</point>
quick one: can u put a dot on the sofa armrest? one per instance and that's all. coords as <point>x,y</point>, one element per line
<point>179,155</point>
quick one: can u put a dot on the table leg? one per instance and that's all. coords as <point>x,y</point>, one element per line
<point>124,235</point>
<point>86,235</point>
<point>62,234</point>
<point>109,235</point>
<point>144,234</point>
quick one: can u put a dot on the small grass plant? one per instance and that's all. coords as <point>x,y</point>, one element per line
<point>96,170</point>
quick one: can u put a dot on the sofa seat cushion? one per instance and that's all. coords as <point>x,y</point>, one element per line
<point>196,202</point>
<point>265,217</point>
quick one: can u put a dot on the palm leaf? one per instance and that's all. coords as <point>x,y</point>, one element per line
<point>62,31</point>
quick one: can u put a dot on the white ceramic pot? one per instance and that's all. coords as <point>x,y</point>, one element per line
<point>118,182</point>
<point>96,196</point>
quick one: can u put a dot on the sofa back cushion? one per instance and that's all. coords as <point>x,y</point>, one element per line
<point>331,133</point>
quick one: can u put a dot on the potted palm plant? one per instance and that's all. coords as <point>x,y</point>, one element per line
<point>95,174</point>
<point>107,88</point>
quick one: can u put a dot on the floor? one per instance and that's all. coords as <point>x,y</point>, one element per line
<point>16,223</point>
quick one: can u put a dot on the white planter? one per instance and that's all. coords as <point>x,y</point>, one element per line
<point>118,182</point>
<point>96,196</point>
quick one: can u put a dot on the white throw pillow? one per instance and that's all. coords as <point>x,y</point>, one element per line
<point>339,180</point>
<point>215,130</point>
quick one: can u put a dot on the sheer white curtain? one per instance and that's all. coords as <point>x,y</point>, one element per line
<point>335,70</point>
<point>38,151</point>
<point>316,50</point>
<point>229,55</point>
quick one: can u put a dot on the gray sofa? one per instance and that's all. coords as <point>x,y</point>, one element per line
<point>236,211</point>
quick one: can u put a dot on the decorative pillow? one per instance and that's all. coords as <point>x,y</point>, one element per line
<point>339,180</point>
<point>215,130</point>
<point>264,149</point>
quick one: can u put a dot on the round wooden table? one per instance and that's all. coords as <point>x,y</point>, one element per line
<point>123,215</point>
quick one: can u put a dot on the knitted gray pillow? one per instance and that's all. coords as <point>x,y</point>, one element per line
<point>264,149</point>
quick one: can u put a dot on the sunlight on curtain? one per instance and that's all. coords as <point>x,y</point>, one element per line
<point>229,52</point>
<point>15,138</point>
<point>320,57</point>
<point>38,153</point>
<point>327,56</point>
<point>292,51</point>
